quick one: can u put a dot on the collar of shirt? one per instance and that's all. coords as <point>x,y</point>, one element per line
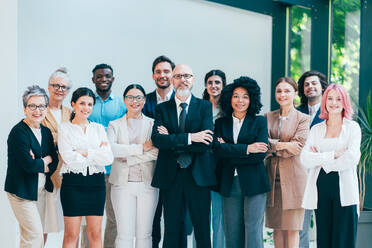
<point>179,109</point>
<point>167,96</point>
<point>110,97</point>
<point>237,125</point>
<point>313,109</point>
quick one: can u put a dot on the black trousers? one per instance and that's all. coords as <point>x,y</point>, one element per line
<point>156,229</point>
<point>336,225</point>
<point>185,193</point>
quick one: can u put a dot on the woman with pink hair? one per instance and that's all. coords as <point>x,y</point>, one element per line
<point>331,154</point>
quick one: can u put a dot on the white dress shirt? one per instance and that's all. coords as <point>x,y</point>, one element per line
<point>313,110</point>
<point>345,165</point>
<point>72,137</point>
<point>179,109</point>
<point>166,98</point>
<point>237,125</point>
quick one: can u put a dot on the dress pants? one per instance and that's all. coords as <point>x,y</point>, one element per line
<point>29,221</point>
<point>304,233</point>
<point>218,238</point>
<point>185,193</point>
<point>243,218</point>
<point>110,229</point>
<point>336,226</point>
<point>134,206</point>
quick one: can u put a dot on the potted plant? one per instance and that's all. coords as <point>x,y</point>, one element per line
<point>364,238</point>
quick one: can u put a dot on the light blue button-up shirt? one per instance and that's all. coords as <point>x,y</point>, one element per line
<point>107,110</point>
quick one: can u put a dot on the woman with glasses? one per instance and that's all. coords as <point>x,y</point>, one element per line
<point>58,87</point>
<point>133,198</point>
<point>32,159</point>
<point>288,129</point>
<point>214,82</point>
<point>85,151</point>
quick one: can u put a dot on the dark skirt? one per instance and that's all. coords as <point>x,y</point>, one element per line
<point>83,195</point>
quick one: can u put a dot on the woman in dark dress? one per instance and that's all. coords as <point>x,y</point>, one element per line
<point>32,159</point>
<point>85,151</point>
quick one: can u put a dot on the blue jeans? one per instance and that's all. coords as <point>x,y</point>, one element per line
<point>217,221</point>
<point>304,233</point>
<point>243,218</point>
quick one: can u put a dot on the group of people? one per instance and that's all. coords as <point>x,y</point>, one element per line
<point>212,162</point>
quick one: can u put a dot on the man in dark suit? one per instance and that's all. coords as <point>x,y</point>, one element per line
<point>162,69</point>
<point>311,86</point>
<point>184,170</point>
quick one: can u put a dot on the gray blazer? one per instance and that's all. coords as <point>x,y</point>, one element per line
<point>117,134</point>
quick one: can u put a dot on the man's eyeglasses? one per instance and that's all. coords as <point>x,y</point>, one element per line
<point>59,87</point>
<point>134,98</point>
<point>185,76</point>
<point>33,107</point>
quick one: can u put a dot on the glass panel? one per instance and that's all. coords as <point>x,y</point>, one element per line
<point>345,45</point>
<point>300,41</point>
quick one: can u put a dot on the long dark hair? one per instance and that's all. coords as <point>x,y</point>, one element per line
<point>214,72</point>
<point>301,81</point>
<point>82,91</point>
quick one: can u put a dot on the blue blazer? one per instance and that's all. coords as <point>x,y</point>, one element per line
<point>304,109</point>
<point>22,176</point>
<point>151,102</point>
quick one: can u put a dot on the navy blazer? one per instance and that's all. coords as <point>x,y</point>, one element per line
<point>305,109</point>
<point>22,173</point>
<point>151,102</point>
<point>251,170</point>
<point>199,117</point>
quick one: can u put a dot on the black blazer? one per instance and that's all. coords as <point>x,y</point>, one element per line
<point>199,117</point>
<point>304,109</point>
<point>22,172</point>
<point>251,170</point>
<point>151,102</point>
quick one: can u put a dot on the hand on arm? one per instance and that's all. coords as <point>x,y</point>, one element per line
<point>47,160</point>
<point>257,147</point>
<point>204,137</point>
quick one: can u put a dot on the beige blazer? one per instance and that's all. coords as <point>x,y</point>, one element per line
<point>117,134</point>
<point>52,124</point>
<point>293,175</point>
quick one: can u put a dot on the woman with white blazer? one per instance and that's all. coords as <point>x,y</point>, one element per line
<point>133,198</point>
<point>331,154</point>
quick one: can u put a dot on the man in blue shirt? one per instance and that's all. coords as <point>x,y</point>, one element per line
<point>108,107</point>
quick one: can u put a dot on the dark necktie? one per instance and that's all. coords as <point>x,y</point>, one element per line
<point>184,159</point>
<point>182,118</point>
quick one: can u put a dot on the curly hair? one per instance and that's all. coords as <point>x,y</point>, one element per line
<point>301,81</point>
<point>254,93</point>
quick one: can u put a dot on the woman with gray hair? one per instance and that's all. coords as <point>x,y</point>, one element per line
<point>32,159</point>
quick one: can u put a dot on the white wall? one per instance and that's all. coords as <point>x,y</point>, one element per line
<point>128,35</point>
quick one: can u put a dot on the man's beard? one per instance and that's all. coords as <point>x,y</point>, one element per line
<point>183,92</point>
<point>104,90</point>
<point>163,86</point>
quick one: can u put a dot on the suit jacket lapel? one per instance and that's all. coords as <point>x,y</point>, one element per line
<point>190,112</point>
<point>244,128</point>
<point>53,123</point>
<point>316,118</point>
<point>173,117</point>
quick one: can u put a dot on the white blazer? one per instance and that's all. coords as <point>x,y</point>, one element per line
<point>117,134</point>
<point>345,165</point>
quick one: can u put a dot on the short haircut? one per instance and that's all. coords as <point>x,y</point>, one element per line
<point>254,93</point>
<point>161,59</point>
<point>102,66</point>
<point>347,112</point>
<point>288,80</point>
<point>211,73</point>
<point>301,81</point>
<point>134,86</point>
<point>34,90</point>
<point>60,73</point>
